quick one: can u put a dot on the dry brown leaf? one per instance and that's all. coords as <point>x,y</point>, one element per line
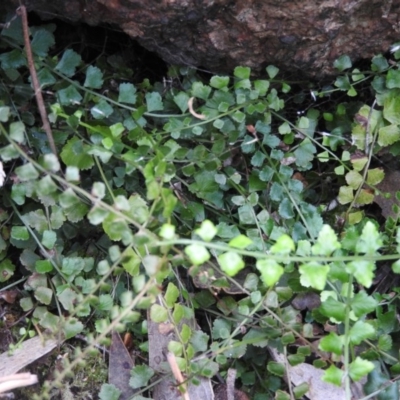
<point>390,184</point>
<point>120,365</point>
<point>9,295</point>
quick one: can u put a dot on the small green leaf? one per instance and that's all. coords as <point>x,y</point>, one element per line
<point>73,154</point>
<point>199,341</point>
<point>375,176</point>
<point>305,153</point>
<point>246,214</point>
<point>238,116</point>
<point>332,343</point>
<point>346,194</point>
<point>72,327</point>
<point>276,368</point>
<point>281,395</point>
<point>17,132</point>
<point>94,78</point>
<point>198,254</point>
<point>158,314</point>
<point>385,342</point>
<point>140,376</point>
<point>284,245</point>
<point>49,239</point>
<point>4,113</point>
<point>379,63</point>
<point>332,308</point>
<point>43,266</point>
<point>393,79</point>
<point>109,392</point>
<point>285,209</point>
<point>272,71</point>
<point>68,63</point>
<point>41,42</point>
<point>154,102</point>
<point>352,92</point>
<point>51,163</point>
<point>207,230</point>
<point>242,72</point>
<point>19,232</point>
<point>314,274</point>
<point>186,333</point>
<point>363,271</point>
<point>270,270</point>
<point>327,242</point>
<point>7,269</point>
<point>43,294</point>
<point>396,267</point>
<point>361,331</point>
<point>26,172</point>
<point>360,368</point>
<point>175,348</point>
<point>12,59</point>
<point>221,329</point>
<point>300,390</point>
<point>388,135</point>
<point>167,231</point>
<point>69,96</point>
<point>231,263</point>
<point>362,304</point>
<point>261,86</point>
<point>171,295</point>
<point>333,375</point>
<point>342,63</point>
<point>342,82</point>
<point>67,298</point>
<point>181,100</point>
<point>354,179</point>
<point>127,93</point>
<point>219,82</point>
<point>284,128</point>
<point>105,302</point>
<point>101,110</point>
<point>370,240</point>
<point>240,242</point>
<point>46,78</point>
<point>200,91</point>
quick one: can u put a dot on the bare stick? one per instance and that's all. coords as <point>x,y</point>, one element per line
<point>19,380</point>
<point>35,81</point>
<point>177,374</point>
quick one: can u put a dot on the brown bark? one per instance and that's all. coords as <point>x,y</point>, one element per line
<point>306,35</point>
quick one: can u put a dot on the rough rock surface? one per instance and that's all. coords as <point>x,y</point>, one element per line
<point>305,35</point>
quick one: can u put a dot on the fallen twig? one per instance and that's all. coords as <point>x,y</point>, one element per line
<point>194,113</point>
<point>177,374</point>
<point>15,381</point>
<point>35,81</point>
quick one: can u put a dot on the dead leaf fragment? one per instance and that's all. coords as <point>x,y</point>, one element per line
<point>120,365</point>
<point>390,184</point>
<point>9,295</point>
<point>307,301</point>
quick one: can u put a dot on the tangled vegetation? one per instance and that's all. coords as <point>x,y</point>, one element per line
<point>240,204</point>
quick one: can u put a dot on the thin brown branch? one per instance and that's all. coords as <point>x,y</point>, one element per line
<point>35,81</point>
